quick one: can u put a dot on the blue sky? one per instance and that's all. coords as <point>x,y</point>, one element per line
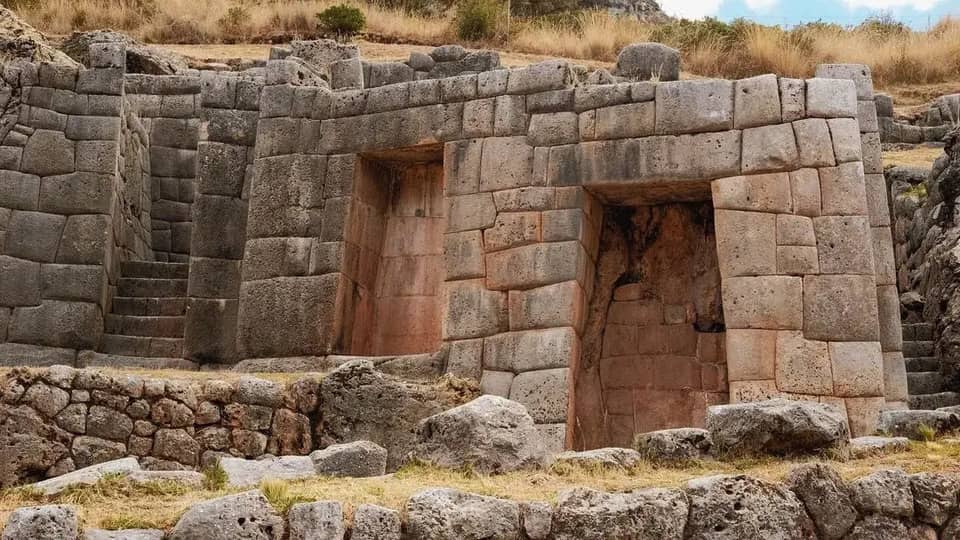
<point>916,13</point>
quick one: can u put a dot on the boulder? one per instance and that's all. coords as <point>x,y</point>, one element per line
<point>372,522</point>
<point>52,522</point>
<point>604,458</point>
<point>87,476</point>
<point>646,61</point>
<point>674,445</point>
<point>249,472</point>
<point>934,496</point>
<point>140,58</point>
<point>744,508</point>
<point>29,445</point>
<point>826,498</point>
<point>914,424</point>
<point>883,492</point>
<point>358,403</point>
<point>872,445</point>
<point>490,434</point>
<point>448,514</point>
<point>876,527</point>
<point>584,513</point>
<point>124,534</point>
<point>246,515</point>
<point>779,427</point>
<point>358,459</point>
<point>19,40</point>
<point>321,520</point>
<point>537,519</point>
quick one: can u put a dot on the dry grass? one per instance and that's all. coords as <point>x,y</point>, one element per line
<point>918,156</point>
<point>710,48</point>
<point>114,503</point>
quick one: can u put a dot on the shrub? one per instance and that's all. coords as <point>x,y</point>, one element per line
<point>236,21</point>
<point>341,21</point>
<point>478,19</point>
<point>883,26</point>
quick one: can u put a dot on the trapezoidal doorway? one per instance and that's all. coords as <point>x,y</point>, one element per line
<point>396,229</point>
<point>653,345</point>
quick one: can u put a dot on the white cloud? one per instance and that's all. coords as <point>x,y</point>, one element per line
<point>691,9</point>
<point>919,5</point>
<point>762,5</point>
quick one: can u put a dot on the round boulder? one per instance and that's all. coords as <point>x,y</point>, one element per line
<point>648,61</point>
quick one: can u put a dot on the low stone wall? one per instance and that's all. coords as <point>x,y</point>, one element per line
<point>931,126</point>
<point>813,502</point>
<point>55,420</point>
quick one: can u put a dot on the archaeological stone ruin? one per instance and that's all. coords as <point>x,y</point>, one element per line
<point>616,257</point>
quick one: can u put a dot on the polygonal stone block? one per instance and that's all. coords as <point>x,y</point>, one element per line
<point>813,138</point>
<point>560,304</point>
<point>219,227</point>
<point>885,266</point>
<point>478,118</point>
<point>552,129</point>
<point>793,99</point>
<point>756,102</point>
<point>878,208</point>
<point>840,308</point>
<point>512,229</point>
<point>795,231</point>
<point>530,350</point>
<point>535,265</point>
<point>843,243</point>
<point>831,98</point>
<point>34,235</point>
<point>549,75</point>
<point>545,394</point>
<point>751,354</point>
<point>107,55</point>
<point>77,193</point>
<point>746,243</point>
<point>857,368</point>
<point>872,155</point>
<point>624,121</point>
<point>746,391</point>
<point>469,212</point>
<point>465,359</point>
<point>19,282</point>
<point>48,153</point>
<point>867,116</point>
<point>461,162</point>
<point>863,414</point>
<point>805,189</point>
<point>803,365</point>
<point>843,190</point>
<point>473,311</point>
<point>19,191</point>
<point>97,156</point>
<point>797,260</point>
<point>846,139</point>
<point>221,169</point>
<point>507,162</point>
<point>510,117</point>
<point>891,329</point>
<point>769,148</point>
<point>858,73</point>
<point>496,383</point>
<point>894,377</point>
<point>56,323</point>
<point>764,302</point>
<point>463,256</point>
<point>85,239</point>
<point>760,193</point>
<point>694,106</point>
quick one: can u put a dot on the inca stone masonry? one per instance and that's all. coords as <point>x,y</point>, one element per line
<point>616,257</point>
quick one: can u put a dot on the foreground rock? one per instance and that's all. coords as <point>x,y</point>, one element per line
<point>140,58</point>
<point>674,445</point>
<point>244,515</point>
<point>778,427</point>
<point>826,498</point>
<point>358,403</point>
<point>321,520</point>
<point>87,476</point>
<point>862,447</point>
<point>53,522</point>
<point>125,534</point>
<point>917,425</point>
<point>606,458</point>
<point>490,434</point>
<point>448,514</point>
<point>646,61</point>
<point>744,508</point>
<point>249,472</point>
<point>650,513</point>
<point>358,459</point>
<point>19,40</point>
<point>29,445</point>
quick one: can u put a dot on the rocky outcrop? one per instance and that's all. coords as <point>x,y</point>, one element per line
<point>778,427</point>
<point>490,434</point>
<point>244,515</point>
<point>19,40</point>
<point>140,58</point>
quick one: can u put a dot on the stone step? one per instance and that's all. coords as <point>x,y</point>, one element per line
<point>918,332</point>
<point>922,363</point>
<point>142,346</point>
<point>152,287</point>
<point>155,270</point>
<point>934,401</point>
<point>96,359</point>
<point>912,349</point>
<point>147,326</point>
<point>924,382</point>
<point>128,305</point>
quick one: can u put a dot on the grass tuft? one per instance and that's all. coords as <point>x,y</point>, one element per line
<point>279,495</point>
<point>214,477</point>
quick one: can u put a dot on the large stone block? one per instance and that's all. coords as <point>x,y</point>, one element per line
<point>797,260</point>
<point>512,229</point>
<point>746,243</point>
<point>507,162</point>
<point>84,283</point>
<point>210,333</point>
<point>461,162</point>
<point>551,306</point>
<point>759,193</point>
<point>805,188</point>
<point>463,256</point>
<point>551,129</point>
<point>843,190</point>
<point>813,138</point>
<point>694,106</point>
<point>624,121</point>
<point>219,227</point>
<point>646,61</point>
<point>48,153</point>
<point>858,73</point>
<point>840,308</point>
<point>93,128</point>
<point>867,116</point>
<point>831,98</point>
<point>545,394</point>
<point>751,354</point>
<point>536,265</point>
<point>844,244</point>
<point>97,156</point>
<point>793,99</point>
<point>221,169</point>
<point>765,302</point>
<point>530,350</point>
<point>863,414</point>
<point>172,162</point>
<point>845,134</point>
<point>857,368</point>
<point>19,282</point>
<point>894,377</point>
<point>231,126</point>
<point>477,117</point>
<point>510,116</point>
<point>549,75</point>
<point>885,266</point>
<point>56,323</point>
<point>803,365</point>
<point>891,329</point>
<point>19,191</point>
<point>472,311</point>
<point>276,257</point>
<point>770,148</point>
<point>34,235</point>
<point>288,316</point>
<point>216,278</point>
<point>756,102</point>
<point>77,193</point>
<point>878,208</point>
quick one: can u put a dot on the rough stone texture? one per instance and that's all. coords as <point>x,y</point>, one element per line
<point>861,447</point>
<point>740,507</point>
<point>674,445</point>
<point>53,522</point>
<point>371,522</point>
<point>776,427</point>
<point>244,515</point>
<point>321,520</point>
<point>357,459</point>
<point>883,492</point>
<point>447,514</point>
<point>583,513</point>
<point>913,424</point>
<point>826,498</point>
<point>248,472</point>
<point>645,61</point>
<point>607,458</point>
<point>489,434</point>
<point>140,58</point>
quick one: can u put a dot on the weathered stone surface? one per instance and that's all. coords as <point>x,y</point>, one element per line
<point>490,433</point>
<point>28,445</point>
<point>91,450</point>
<point>740,507</point>
<point>826,498</point>
<point>245,515</point>
<point>358,459</point>
<point>694,106</point>
<point>642,514</point>
<point>934,496</point>
<point>862,447</point>
<point>321,520</point>
<point>604,458</point>
<point>248,472</point>
<point>776,427</point>
<point>448,514</point>
<point>53,522</point>
<point>140,58</point>
<point>883,492</point>
<point>674,445</point>
<point>372,522</point>
<point>914,424</point>
<point>645,61</point>
<point>87,475</point>
<point>124,534</point>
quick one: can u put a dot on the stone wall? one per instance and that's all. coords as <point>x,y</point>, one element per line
<point>168,107</point>
<point>932,125</point>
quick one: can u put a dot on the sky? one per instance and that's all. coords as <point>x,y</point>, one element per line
<point>916,13</point>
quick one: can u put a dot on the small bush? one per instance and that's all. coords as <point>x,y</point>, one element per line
<point>478,19</point>
<point>236,21</point>
<point>214,477</point>
<point>341,21</point>
<point>883,26</point>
